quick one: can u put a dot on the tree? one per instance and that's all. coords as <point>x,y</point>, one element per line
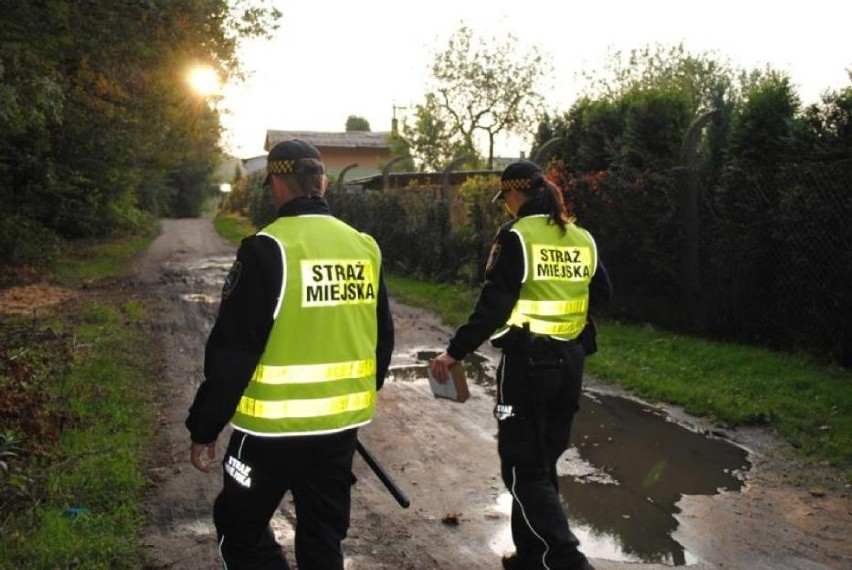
<point>96,125</point>
<point>431,139</point>
<point>400,147</point>
<point>357,124</point>
<point>763,127</point>
<point>485,87</point>
<point>826,128</point>
<point>636,109</point>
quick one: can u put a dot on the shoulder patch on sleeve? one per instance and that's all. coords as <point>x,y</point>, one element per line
<point>492,257</point>
<point>232,279</point>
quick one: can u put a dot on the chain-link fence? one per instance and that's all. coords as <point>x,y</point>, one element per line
<point>754,255</point>
<point>776,256</point>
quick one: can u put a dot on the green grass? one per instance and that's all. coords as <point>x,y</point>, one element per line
<point>807,403</point>
<point>233,227</point>
<point>87,405</point>
<point>453,303</point>
<point>87,261</point>
<point>106,396</point>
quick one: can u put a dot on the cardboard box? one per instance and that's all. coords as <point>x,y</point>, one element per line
<point>455,388</point>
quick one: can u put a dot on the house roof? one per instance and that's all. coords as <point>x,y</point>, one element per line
<point>352,139</point>
<point>404,179</point>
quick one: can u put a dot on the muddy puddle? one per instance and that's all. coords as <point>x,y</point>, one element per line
<point>203,273</point>
<point>624,474</point>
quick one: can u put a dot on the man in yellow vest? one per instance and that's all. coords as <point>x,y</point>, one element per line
<point>301,345</point>
<point>541,276</point>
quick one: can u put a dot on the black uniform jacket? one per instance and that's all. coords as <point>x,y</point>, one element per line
<point>502,287</point>
<point>239,335</point>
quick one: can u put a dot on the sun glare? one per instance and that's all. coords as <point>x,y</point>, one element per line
<point>204,80</point>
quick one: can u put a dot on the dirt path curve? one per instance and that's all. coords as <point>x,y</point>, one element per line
<point>442,454</point>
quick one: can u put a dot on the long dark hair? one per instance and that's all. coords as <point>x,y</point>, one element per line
<point>541,187</point>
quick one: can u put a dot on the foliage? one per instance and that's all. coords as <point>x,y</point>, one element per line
<point>92,459</point>
<point>40,248</point>
<point>422,242</point>
<point>83,261</point>
<point>636,110</point>
<point>250,198</point>
<point>481,85</point>
<point>482,220</point>
<point>763,126</point>
<point>15,484</point>
<point>432,140</point>
<point>727,221</point>
<point>76,409</point>
<point>451,302</point>
<point>356,123</point>
<point>768,217</point>
<point>96,125</point>
<point>827,126</point>
<point>233,227</point>
<point>702,77</point>
<point>30,360</point>
<point>399,146</point>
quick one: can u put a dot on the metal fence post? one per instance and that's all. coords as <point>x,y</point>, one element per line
<point>688,183</point>
<point>339,185</point>
<point>546,150</point>
<point>386,171</point>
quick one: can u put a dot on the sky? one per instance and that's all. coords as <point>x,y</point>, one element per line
<point>334,58</point>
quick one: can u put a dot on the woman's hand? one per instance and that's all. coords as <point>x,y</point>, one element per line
<point>440,367</point>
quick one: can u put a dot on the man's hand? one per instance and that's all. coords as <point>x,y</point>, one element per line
<point>196,458</point>
<point>440,367</point>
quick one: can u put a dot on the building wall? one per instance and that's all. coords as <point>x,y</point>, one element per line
<point>369,160</point>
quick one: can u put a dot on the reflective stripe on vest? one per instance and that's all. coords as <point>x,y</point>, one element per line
<point>550,308</point>
<point>309,408</point>
<point>307,373</point>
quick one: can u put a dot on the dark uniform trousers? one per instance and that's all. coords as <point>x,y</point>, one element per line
<point>258,471</point>
<point>538,393</point>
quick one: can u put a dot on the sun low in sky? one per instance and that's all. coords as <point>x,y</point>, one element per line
<point>331,59</point>
<point>204,80</point>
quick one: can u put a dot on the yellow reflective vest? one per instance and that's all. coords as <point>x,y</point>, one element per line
<point>558,267</point>
<point>317,373</point>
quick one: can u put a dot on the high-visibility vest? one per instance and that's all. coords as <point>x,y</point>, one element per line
<point>558,267</point>
<point>317,373</point>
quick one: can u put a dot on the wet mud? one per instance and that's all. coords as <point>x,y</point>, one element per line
<point>644,486</point>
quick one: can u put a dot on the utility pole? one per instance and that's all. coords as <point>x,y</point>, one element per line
<point>394,122</point>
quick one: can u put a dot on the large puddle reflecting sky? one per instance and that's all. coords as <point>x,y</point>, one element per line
<point>624,473</point>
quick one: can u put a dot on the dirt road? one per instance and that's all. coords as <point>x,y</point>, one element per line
<point>442,454</point>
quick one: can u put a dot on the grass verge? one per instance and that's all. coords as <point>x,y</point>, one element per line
<point>76,406</point>
<point>453,303</point>
<point>233,227</point>
<point>807,403</point>
<point>86,261</point>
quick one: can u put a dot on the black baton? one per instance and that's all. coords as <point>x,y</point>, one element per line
<point>382,475</point>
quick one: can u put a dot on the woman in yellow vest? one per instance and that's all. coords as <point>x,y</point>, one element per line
<point>301,344</point>
<point>541,276</point>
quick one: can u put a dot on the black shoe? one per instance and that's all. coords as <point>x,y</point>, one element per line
<point>513,562</point>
